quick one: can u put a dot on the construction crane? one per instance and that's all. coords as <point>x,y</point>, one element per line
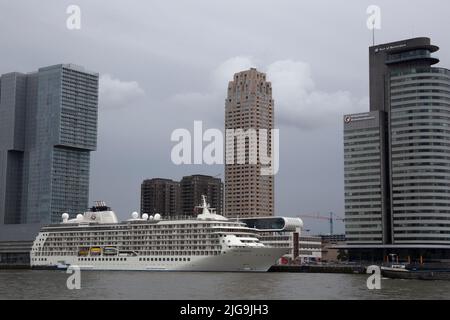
<point>330,219</point>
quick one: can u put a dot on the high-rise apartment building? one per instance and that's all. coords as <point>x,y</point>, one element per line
<point>161,196</point>
<point>171,198</point>
<point>48,127</point>
<point>192,189</point>
<point>249,105</point>
<point>397,156</point>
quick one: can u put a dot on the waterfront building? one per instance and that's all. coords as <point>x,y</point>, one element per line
<point>338,237</point>
<point>48,128</point>
<point>161,196</point>
<point>285,232</point>
<point>194,186</point>
<point>330,250</point>
<point>174,198</point>
<point>249,105</point>
<point>397,157</point>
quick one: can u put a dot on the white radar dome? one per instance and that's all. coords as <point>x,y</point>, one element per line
<point>65,216</point>
<point>150,218</point>
<point>79,217</point>
<point>301,223</point>
<point>145,216</point>
<point>135,215</point>
<point>157,216</point>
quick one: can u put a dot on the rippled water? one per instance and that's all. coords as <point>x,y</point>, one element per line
<point>39,284</point>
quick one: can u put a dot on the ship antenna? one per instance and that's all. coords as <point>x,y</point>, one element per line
<point>204,205</point>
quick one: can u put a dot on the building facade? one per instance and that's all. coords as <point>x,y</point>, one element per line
<point>175,198</point>
<point>48,127</point>
<point>286,232</point>
<point>192,189</point>
<point>397,156</point>
<point>365,179</point>
<point>249,105</point>
<point>161,196</point>
<point>330,251</point>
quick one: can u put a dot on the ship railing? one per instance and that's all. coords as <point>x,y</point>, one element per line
<point>179,217</point>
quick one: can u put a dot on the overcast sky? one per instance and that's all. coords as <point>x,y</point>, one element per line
<point>164,64</point>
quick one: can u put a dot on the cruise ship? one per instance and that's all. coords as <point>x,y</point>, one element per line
<point>96,240</point>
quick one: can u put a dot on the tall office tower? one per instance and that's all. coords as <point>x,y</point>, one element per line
<point>160,196</point>
<point>366,210</point>
<point>192,189</point>
<point>48,127</point>
<point>249,105</point>
<point>13,88</point>
<point>397,157</point>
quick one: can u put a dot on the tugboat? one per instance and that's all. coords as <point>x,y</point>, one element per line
<point>421,271</point>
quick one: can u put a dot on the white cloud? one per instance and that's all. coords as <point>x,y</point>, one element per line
<point>115,94</point>
<point>211,102</point>
<point>299,103</point>
<point>226,70</point>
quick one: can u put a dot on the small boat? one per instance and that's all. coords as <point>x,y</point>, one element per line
<point>415,272</point>
<point>61,265</point>
<point>110,251</point>
<point>395,267</point>
<point>96,251</point>
<point>83,252</point>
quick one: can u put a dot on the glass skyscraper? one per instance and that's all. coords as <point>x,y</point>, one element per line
<point>397,156</point>
<point>48,127</point>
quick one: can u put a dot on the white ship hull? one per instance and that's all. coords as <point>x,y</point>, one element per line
<point>235,260</point>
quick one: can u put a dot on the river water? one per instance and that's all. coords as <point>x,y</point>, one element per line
<point>48,284</point>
